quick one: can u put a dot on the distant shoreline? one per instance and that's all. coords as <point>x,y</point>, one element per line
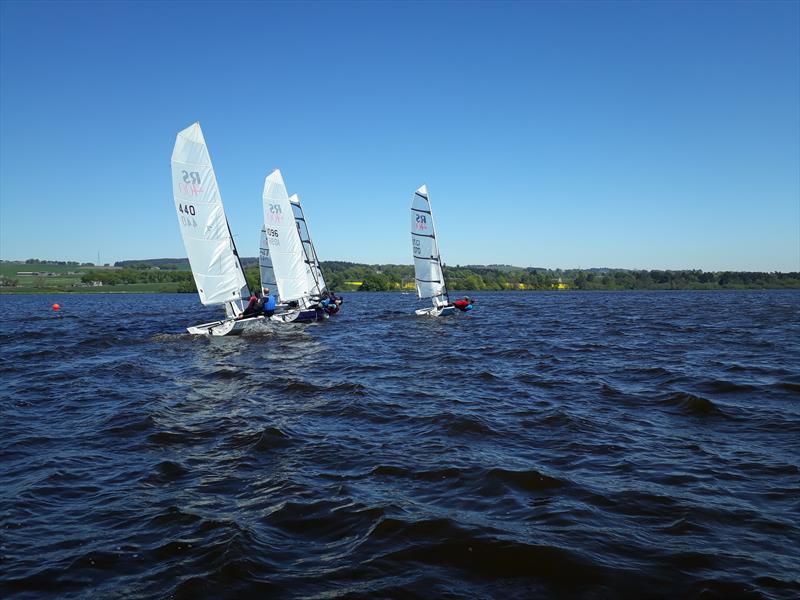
<point>173,275</point>
<point>85,292</point>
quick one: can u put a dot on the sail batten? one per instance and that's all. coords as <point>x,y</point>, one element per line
<point>204,227</point>
<point>428,273</point>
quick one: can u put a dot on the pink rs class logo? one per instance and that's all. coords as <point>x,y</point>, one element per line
<point>275,214</point>
<point>190,184</point>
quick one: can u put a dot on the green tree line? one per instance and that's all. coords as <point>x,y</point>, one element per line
<point>348,276</point>
<point>496,278</point>
<point>126,276</point>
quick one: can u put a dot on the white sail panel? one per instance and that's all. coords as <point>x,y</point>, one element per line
<point>285,248</point>
<point>427,260</point>
<point>265,268</point>
<point>204,227</point>
<point>313,268</point>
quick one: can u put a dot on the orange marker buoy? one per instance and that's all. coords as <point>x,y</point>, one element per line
<point>56,307</point>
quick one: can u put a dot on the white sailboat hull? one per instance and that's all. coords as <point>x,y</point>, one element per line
<point>436,311</point>
<point>226,327</point>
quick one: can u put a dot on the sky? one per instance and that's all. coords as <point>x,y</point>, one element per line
<point>642,135</point>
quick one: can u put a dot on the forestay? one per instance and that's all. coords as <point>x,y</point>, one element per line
<point>283,241</point>
<point>206,235</point>
<point>427,261</point>
<point>313,268</point>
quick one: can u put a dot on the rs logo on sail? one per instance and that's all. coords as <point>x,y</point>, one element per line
<point>422,223</point>
<point>193,177</point>
<point>275,213</point>
<point>191,184</point>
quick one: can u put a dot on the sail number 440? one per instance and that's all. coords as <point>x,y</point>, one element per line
<point>185,214</point>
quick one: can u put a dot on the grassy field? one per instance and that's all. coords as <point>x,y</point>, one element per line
<point>11,269</point>
<point>132,288</point>
<point>27,283</point>
<point>68,283</point>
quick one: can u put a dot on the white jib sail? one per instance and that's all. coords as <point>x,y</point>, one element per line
<point>285,247</point>
<point>427,260</point>
<point>265,268</point>
<point>313,268</point>
<point>209,245</point>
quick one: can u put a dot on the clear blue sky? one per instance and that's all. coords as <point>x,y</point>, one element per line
<point>587,134</point>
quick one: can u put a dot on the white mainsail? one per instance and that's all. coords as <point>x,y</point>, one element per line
<point>283,241</point>
<point>206,235</point>
<point>313,268</point>
<point>427,260</point>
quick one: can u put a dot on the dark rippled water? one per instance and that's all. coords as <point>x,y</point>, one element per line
<point>570,444</point>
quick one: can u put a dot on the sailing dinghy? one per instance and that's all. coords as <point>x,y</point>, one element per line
<point>316,281</point>
<point>428,273</point>
<point>287,258</point>
<point>206,234</point>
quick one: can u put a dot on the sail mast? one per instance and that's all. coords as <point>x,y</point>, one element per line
<point>236,254</point>
<point>438,251</point>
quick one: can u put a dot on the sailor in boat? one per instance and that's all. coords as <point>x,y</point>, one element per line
<point>464,304</point>
<point>330,303</point>
<point>268,304</point>
<point>255,306</point>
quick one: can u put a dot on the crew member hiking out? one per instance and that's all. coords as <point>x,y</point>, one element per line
<point>254,306</point>
<point>331,303</point>
<point>464,304</point>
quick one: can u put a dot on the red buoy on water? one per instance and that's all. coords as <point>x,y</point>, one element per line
<point>56,307</point>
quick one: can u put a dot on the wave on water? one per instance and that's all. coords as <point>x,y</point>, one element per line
<point>691,405</point>
<point>263,440</point>
<point>590,445</point>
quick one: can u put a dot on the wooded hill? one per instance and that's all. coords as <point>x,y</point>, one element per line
<point>342,275</point>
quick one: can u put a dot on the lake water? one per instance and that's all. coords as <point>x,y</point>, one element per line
<point>572,444</point>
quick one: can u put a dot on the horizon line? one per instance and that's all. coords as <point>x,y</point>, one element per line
<point>457,265</point>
